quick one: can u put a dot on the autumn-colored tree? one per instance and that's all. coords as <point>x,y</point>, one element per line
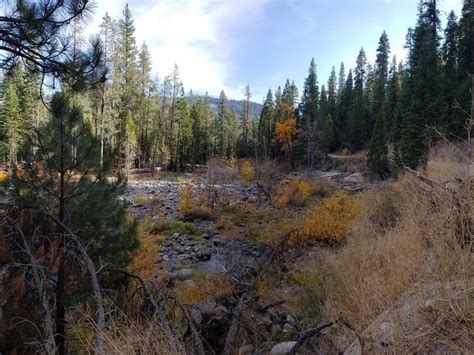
<point>285,129</point>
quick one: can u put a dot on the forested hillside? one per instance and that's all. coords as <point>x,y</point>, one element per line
<point>140,216</point>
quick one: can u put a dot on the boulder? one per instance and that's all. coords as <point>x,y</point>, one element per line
<point>283,348</point>
<point>185,274</point>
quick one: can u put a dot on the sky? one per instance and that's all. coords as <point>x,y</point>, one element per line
<point>225,44</point>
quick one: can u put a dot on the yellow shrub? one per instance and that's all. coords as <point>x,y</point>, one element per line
<point>206,287</point>
<point>329,220</point>
<point>192,207</point>
<point>186,201</point>
<point>143,260</point>
<point>345,152</point>
<point>232,167</point>
<point>246,170</point>
<point>3,176</point>
<point>321,187</point>
<point>298,191</point>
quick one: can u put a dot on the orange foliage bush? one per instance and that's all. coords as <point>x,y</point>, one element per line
<point>298,191</point>
<point>3,176</point>
<point>246,170</point>
<point>143,260</point>
<point>345,152</point>
<point>329,220</point>
<point>205,289</point>
<point>192,207</point>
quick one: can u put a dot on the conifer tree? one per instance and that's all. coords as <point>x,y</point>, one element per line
<point>221,119</point>
<point>265,126</point>
<point>426,107</point>
<point>466,57</point>
<point>345,107</point>
<point>357,124</point>
<point>377,155</point>
<point>332,109</point>
<point>310,123</point>
<point>63,176</point>
<point>453,122</point>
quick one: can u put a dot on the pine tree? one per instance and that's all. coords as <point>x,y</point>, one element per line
<point>453,122</point>
<point>341,84</point>
<point>221,118</point>
<point>466,57</point>
<point>265,126</point>
<point>345,107</point>
<point>146,90</point>
<point>310,124</point>
<point>357,124</point>
<point>426,107</point>
<point>127,81</point>
<point>332,109</point>
<point>377,155</point>
<point>12,125</point>
<point>391,99</point>
<point>66,179</point>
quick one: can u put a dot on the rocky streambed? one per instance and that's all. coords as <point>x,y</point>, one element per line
<point>206,249</point>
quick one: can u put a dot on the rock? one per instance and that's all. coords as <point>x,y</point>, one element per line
<point>204,256</point>
<point>283,348</point>
<point>354,349</point>
<point>189,284</point>
<point>246,350</point>
<point>185,274</point>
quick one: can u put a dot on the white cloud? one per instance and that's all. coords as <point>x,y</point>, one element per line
<point>201,36</point>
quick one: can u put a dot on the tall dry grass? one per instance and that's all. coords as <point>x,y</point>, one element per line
<point>413,234</point>
<point>123,334</point>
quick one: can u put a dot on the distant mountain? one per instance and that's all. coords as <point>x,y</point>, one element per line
<point>237,105</point>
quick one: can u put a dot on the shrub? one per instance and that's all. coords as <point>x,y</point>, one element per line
<point>232,167</point>
<point>246,170</point>
<point>172,226</point>
<point>207,286</point>
<point>3,176</point>
<point>144,259</point>
<point>191,207</point>
<point>345,152</point>
<point>330,220</point>
<point>298,191</point>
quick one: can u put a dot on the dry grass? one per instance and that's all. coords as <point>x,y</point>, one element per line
<point>123,334</point>
<point>411,234</point>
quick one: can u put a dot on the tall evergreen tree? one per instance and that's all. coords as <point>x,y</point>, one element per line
<point>265,126</point>
<point>358,117</point>
<point>62,176</point>
<point>377,155</point>
<point>221,120</point>
<point>344,110</point>
<point>466,57</point>
<point>332,109</point>
<point>310,124</point>
<point>426,104</point>
<point>453,122</point>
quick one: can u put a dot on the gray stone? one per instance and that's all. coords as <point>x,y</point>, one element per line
<point>246,350</point>
<point>185,274</point>
<point>283,348</point>
<point>189,284</point>
<point>354,349</point>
